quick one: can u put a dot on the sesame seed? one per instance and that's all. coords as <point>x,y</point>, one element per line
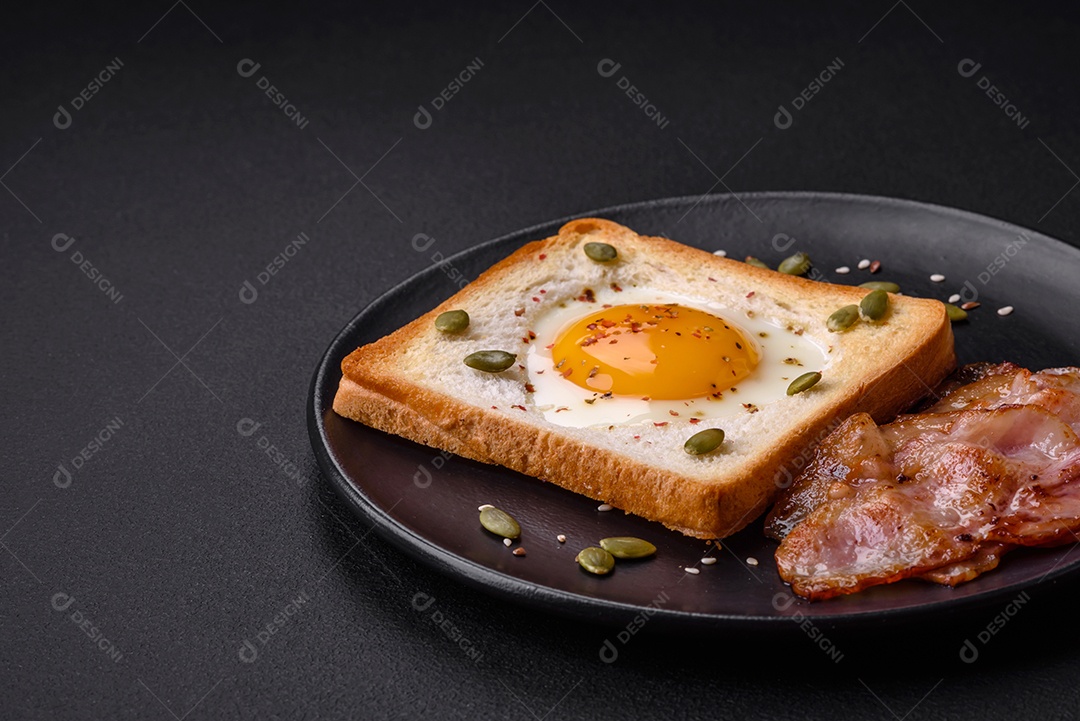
<point>692,571</point>
<point>970,306</point>
<point>519,551</point>
<point>843,270</point>
<point>507,542</point>
<point>604,507</point>
<point>864,264</point>
<point>751,561</point>
<point>721,253</point>
<point>561,538</point>
<point>875,266</point>
<point>954,298</point>
<point>1005,311</point>
<point>708,561</point>
<point>486,505</point>
<point>937,278</point>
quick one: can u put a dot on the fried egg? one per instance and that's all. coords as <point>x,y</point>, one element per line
<point>639,356</point>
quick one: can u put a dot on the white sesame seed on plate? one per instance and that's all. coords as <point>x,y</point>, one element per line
<point>692,571</point>
<point>561,538</point>
<point>864,264</point>
<point>604,507</point>
<point>507,542</point>
<point>843,270</point>
<point>1006,310</point>
<point>708,561</point>
<point>937,278</point>
<point>486,505</point>
<point>751,561</point>
<point>954,298</point>
<point>721,253</point>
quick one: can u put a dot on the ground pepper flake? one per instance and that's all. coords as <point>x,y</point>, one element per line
<point>543,256</point>
<point>519,312</point>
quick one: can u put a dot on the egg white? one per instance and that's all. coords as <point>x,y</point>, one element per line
<point>564,403</point>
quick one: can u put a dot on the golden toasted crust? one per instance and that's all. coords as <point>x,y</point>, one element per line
<point>711,500</point>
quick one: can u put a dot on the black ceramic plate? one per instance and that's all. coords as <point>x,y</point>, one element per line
<point>425,502</point>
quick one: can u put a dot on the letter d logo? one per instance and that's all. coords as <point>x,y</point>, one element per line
<point>968,652</point>
<point>608,67</point>
<point>248,293</point>
<point>62,477</point>
<point>422,477</point>
<point>608,652</point>
<point>62,601</point>
<point>782,119</point>
<point>62,118</point>
<point>248,653</point>
<point>247,427</point>
<point>422,119</point>
<point>247,67</point>
<point>967,68</point>
<point>61,242</point>
<point>422,601</point>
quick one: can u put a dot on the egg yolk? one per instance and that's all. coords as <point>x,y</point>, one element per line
<point>665,352</point>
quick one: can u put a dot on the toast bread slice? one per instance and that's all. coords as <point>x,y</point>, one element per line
<point>413,382</point>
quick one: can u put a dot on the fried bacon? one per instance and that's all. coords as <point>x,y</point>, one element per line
<point>992,464</point>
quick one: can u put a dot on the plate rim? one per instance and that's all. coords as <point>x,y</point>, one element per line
<point>564,602</point>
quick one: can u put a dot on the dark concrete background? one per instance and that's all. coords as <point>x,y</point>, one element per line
<point>180,180</point>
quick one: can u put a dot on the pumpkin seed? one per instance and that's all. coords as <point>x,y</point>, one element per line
<point>601,252</point>
<point>797,264</point>
<point>452,321</point>
<point>595,560</point>
<point>874,306</point>
<point>490,361</point>
<point>843,318</point>
<point>500,523</point>
<point>627,547</point>
<point>704,441</point>
<point>803,383</point>
<point>956,314</point>
<point>751,260</point>
<point>880,285</point>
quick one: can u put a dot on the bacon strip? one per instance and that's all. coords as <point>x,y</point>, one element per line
<point>941,495</point>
